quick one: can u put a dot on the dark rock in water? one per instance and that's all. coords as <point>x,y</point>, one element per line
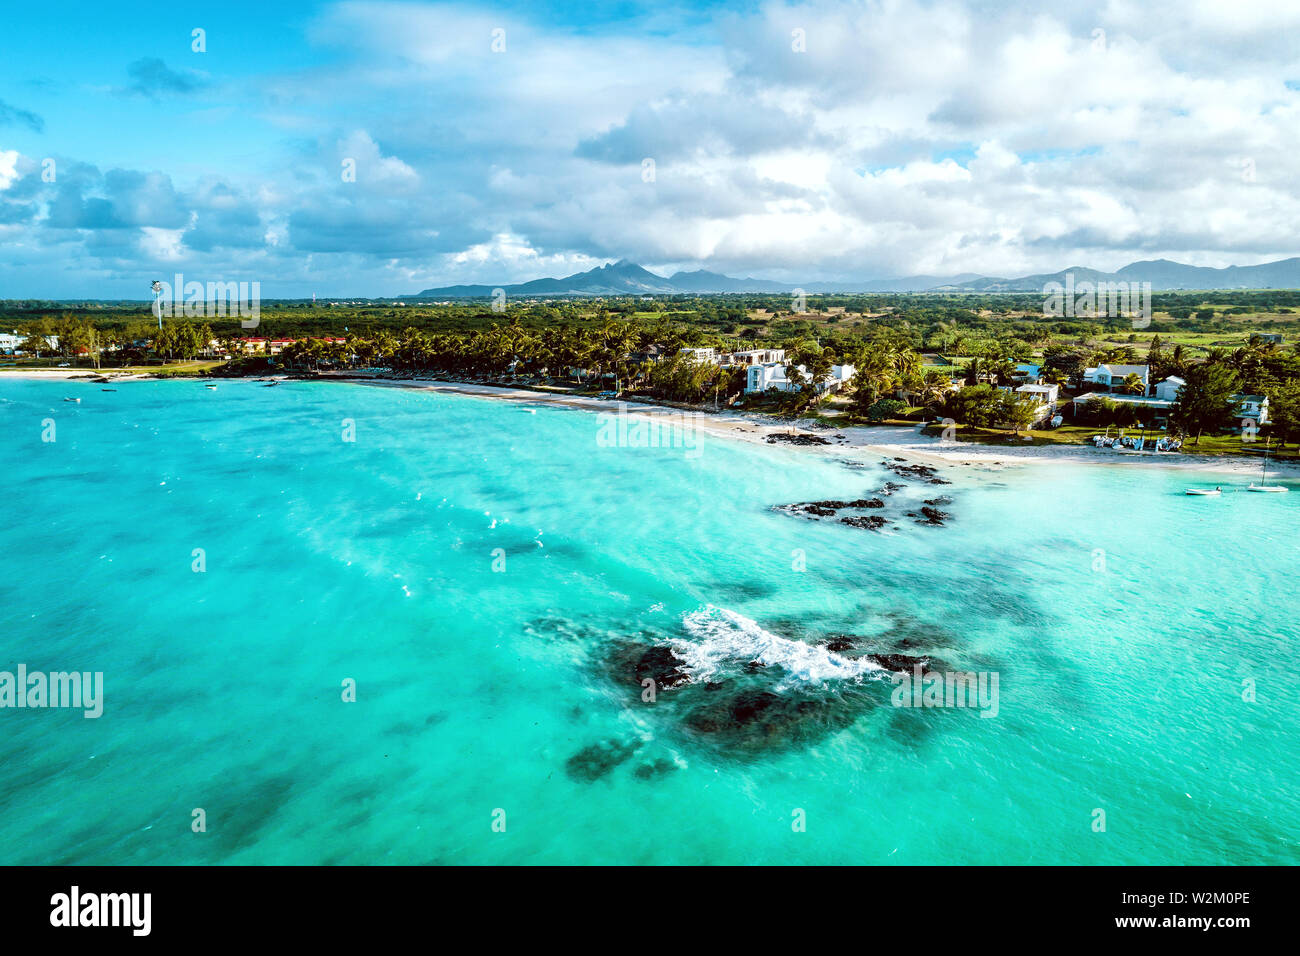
<point>752,721</point>
<point>662,666</point>
<point>748,706</point>
<point>829,507</point>
<point>902,663</point>
<point>941,500</point>
<point>656,768</point>
<point>797,439</point>
<point>870,522</point>
<point>890,487</point>
<point>806,509</point>
<point>900,459</point>
<point>630,662</point>
<point>754,667</point>
<point>932,516</point>
<point>925,472</point>
<point>840,644</point>
<point>592,763</point>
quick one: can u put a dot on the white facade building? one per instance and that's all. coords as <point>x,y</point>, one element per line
<point>757,356</point>
<point>1043,398</point>
<point>701,355</point>
<point>1111,377</point>
<point>774,375</point>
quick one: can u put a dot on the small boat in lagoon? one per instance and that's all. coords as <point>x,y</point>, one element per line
<point>1202,491</point>
<point>1274,489</point>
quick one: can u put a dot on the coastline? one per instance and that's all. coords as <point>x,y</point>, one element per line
<point>755,427</point>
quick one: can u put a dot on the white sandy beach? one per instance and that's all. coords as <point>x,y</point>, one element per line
<point>861,441</point>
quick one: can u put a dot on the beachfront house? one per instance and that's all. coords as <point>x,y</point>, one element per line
<point>1252,410</point>
<point>1167,390</point>
<point>754,357</point>
<point>774,376</point>
<point>1042,398</point>
<point>1111,378</point>
<point>1157,409</point>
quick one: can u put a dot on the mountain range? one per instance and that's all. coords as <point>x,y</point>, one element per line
<point>627,278</point>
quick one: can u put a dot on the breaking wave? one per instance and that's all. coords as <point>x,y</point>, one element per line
<point>720,638</point>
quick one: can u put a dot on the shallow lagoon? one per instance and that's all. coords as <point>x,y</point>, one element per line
<point>491,577</point>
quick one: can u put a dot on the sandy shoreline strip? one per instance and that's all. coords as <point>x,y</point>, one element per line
<point>859,440</point>
<point>864,440</point>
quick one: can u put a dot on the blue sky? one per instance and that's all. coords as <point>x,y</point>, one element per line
<point>794,141</point>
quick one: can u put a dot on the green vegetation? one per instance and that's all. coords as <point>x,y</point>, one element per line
<point>912,353</point>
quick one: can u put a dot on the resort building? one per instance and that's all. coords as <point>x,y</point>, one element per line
<point>11,342</point>
<point>708,356</point>
<point>1167,390</point>
<point>1112,377</point>
<point>1274,337</point>
<point>1251,409</point>
<point>774,376</point>
<point>276,346</point>
<point>754,357</point>
<point>1042,397</point>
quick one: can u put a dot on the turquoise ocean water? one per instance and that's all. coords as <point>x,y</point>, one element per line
<point>491,578</point>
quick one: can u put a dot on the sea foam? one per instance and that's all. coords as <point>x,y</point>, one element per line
<point>720,637</point>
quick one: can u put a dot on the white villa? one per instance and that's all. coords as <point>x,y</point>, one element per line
<point>1167,390</point>
<point>773,375</point>
<point>1250,408</point>
<point>1111,377</point>
<point>11,343</point>
<point>1043,398</point>
<point>709,355</point>
<point>754,357</point>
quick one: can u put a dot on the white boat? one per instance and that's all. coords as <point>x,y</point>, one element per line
<point>1274,489</point>
<point>1202,491</point>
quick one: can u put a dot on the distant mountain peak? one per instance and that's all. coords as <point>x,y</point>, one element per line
<point>626,277</point>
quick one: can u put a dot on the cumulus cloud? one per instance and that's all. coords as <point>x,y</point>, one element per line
<point>797,141</point>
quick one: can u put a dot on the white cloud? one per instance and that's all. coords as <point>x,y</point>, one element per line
<point>8,167</point>
<point>912,136</point>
